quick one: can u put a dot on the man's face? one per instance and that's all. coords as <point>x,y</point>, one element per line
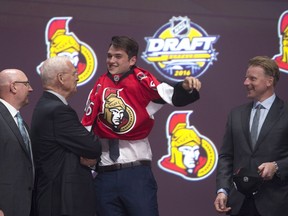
<point>258,84</point>
<point>70,79</point>
<point>23,89</point>
<point>118,62</point>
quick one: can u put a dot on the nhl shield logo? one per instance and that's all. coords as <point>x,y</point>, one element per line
<point>180,26</point>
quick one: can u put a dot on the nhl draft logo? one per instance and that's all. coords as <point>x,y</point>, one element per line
<point>282,58</point>
<point>191,155</point>
<point>180,48</point>
<point>61,42</point>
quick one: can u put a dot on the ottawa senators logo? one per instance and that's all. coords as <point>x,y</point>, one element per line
<point>191,155</point>
<point>61,42</point>
<point>282,58</point>
<point>117,115</point>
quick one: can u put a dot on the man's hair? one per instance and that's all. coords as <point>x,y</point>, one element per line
<point>51,67</point>
<point>270,66</point>
<point>129,45</point>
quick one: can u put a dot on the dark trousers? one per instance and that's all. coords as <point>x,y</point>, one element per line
<point>248,208</point>
<point>126,192</point>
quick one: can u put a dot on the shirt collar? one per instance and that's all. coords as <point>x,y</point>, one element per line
<point>10,108</point>
<point>59,96</point>
<point>266,103</point>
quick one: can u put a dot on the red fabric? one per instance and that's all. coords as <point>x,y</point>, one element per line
<point>131,93</point>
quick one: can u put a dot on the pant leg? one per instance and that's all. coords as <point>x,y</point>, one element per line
<point>126,192</point>
<point>139,191</point>
<point>248,208</point>
<point>108,202</point>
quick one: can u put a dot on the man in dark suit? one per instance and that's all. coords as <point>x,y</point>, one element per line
<point>64,183</point>
<point>16,164</point>
<point>265,159</point>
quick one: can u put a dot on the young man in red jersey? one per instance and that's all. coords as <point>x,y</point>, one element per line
<point>120,110</point>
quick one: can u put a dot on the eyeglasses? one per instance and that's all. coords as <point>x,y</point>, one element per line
<point>26,83</point>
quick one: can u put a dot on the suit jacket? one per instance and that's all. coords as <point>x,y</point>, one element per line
<point>63,185</point>
<point>237,152</point>
<point>16,168</point>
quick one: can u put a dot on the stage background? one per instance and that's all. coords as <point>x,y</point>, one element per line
<point>246,28</point>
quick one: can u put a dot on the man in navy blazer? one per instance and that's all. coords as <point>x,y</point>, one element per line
<point>16,164</point>
<point>63,148</point>
<point>267,159</point>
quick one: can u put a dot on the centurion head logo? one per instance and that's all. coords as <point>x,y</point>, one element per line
<point>117,115</point>
<point>61,42</point>
<point>282,58</point>
<point>190,154</point>
<point>180,48</point>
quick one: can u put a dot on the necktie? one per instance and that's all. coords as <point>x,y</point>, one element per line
<point>255,123</point>
<point>23,130</point>
<point>114,149</point>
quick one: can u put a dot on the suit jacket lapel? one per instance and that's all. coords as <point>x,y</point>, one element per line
<point>272,117</point>
<point>12,124</point>
<point>246,122</point>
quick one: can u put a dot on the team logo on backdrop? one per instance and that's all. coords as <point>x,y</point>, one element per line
<point>282,58</point>
<point>180,48</point>
<point>117,115</point>
<point>61,42</point>
<point>190,154</point>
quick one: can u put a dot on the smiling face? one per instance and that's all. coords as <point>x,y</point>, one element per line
<point>118,61</point>
<point>259,85</point>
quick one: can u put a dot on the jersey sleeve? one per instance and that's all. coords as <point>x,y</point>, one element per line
<point>90,111</point>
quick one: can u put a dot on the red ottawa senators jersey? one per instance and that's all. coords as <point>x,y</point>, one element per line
<point>117,105</point>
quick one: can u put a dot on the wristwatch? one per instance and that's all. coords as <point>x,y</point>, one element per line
<point>277,172</point>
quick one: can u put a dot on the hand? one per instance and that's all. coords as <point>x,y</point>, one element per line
<point>88,162</point>
<point>267,170</point>
<point>1,213</point>
<point>220,203</point>
<point>191,83</point>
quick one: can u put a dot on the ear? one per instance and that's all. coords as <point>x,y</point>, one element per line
<point>270,81</point>
<point>60,78</point>
<point>13,88</point>
<point>133,60</point>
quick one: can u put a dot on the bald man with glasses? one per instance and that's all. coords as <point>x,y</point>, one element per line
<point>16,161</point>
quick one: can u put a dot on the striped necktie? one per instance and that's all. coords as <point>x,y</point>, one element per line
<point>255,125</point>
<point>23,130</point>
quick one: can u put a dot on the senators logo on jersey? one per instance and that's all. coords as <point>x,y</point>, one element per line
<point>116,115</point>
